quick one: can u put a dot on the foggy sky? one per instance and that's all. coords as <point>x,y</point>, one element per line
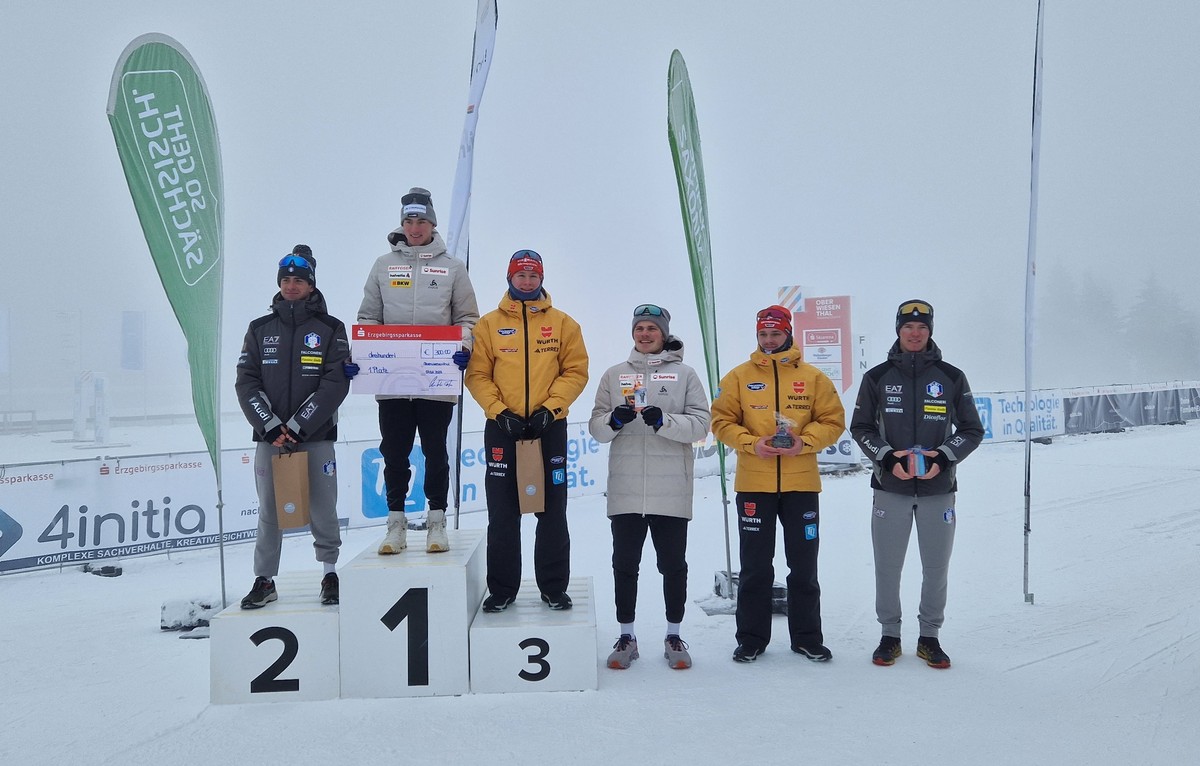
<point>875,149</point>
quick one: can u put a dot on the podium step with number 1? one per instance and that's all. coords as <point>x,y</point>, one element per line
<point>405,618</point>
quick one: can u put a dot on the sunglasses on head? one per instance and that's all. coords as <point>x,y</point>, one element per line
<point>647,310</point>
<point>916,307</point>
<point>523,254</point>
<point>291,259</point>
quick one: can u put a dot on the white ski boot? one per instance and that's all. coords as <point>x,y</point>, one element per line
<point>397,534</point>
<point>435,532</point>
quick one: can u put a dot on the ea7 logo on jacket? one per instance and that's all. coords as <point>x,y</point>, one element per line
<point>798,386</point>
<point>547,331</point>
<point>934,389</point>
<point>312,340</point>
<point>756,386</point>
<point>506,331</point>
<point>893,389</point>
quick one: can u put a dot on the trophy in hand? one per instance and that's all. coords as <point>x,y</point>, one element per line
<point>783,438</point>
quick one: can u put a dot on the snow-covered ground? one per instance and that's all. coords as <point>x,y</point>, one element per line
<point>1104,667</point>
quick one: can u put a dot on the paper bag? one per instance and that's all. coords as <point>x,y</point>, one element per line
<point>289,470</point>
<point>531,476</point>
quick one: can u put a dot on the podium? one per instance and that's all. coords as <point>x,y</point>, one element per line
<point>405,618</point>
<point>409,625</point>
<point>530,648</point>
<point>288,650</point>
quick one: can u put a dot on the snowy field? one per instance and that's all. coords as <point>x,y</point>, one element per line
<point>1103,669</point>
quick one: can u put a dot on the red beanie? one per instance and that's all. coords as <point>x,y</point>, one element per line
<point>525,260</point>
<point>774,318</point>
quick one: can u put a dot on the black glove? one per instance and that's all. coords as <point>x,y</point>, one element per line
<point>940,460</point>
<point>890,461</point>
<point>350,369</point>
<point>623,414</point>
<point>653,417</point>
<point>539,421</point>
<point>270,436</point>
<point>461,358</point>
<point>512,424</point>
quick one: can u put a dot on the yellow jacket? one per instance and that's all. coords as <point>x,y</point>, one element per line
<point>744,411</point>
<point>527,355</point>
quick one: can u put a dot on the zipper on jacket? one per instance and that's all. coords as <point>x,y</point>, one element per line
<point>778,459</point>
<point>291,350</point>
<point>525,322</point>
<point>916,421</point>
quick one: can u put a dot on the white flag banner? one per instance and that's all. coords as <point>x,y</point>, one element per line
<point>460,200</point>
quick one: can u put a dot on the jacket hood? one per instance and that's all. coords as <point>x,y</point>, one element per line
<point>512,306</point>
<point>295,312</point>
<point>672,351</point>
<point>790,358</point>
<point>436,246</point>
<point>918,360</point>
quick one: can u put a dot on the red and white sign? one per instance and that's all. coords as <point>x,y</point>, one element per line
<point>824,330</point>
<point>406,360</point>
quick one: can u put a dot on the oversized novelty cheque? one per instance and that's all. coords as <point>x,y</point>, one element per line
<point>406,360</point>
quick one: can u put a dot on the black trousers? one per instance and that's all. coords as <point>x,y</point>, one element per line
<point>399,422</point>
<point>799,514</point>
<point>669,535</point>
<point>552,543</point>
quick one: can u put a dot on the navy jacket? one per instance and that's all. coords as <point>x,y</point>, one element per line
<point>916,399</point>
<point>290,370</point>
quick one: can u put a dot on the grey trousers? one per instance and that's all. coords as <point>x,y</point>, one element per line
<point>891,525</point>
<point>322,489</point>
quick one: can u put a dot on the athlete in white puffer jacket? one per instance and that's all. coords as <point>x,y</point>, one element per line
<point>652,408</point>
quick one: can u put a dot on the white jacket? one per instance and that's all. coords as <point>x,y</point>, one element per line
<point>419,286</point>
<point>648,472</point>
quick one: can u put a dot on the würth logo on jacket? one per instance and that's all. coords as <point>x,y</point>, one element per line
<point>547,331</point>
<point>497,454</point>
<point>798,386</point>
<point>751,508</point>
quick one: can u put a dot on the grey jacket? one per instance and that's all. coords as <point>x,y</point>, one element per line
<point>290,370</point>
<point>916,398</point>
<point>419,286</point>
<point>649,472</point>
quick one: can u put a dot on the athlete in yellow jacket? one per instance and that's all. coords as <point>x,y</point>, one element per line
<point>778,479</point>
<point>527,367</point>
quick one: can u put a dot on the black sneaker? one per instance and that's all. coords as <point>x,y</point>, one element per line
<point>558,601</point>
<point>261,594</point>
<point>329,589</point>
<point>887,651</point>
<point>746,653</point>
<point>815,652</point>
<point>930,650</point>
<point>495,603</point>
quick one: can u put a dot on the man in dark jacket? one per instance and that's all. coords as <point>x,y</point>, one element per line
<point>289,384</point>
<point>916,419</point>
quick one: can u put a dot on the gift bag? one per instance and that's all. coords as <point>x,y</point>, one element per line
<point>289,471</point>
<point>531,476</point>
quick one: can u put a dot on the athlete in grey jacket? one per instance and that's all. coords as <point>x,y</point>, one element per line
<point>418,283</point>
<point>916,419</point>
<point>651,408</point>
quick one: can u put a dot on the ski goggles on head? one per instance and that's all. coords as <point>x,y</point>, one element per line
<point>415,198</point>
<point>916,307</point>
<point>648,310</point>
<point>773,315</point>
<point>299,261</point>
